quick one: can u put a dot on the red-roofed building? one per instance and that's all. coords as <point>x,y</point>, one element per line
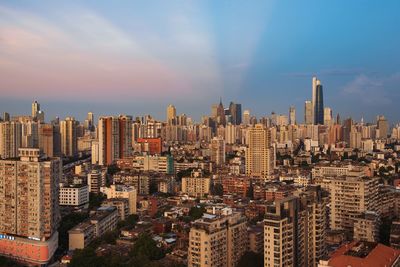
<point>363,254</point>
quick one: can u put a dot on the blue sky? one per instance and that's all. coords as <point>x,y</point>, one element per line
<point>136,57</point>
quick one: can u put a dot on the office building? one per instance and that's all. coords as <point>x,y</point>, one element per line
<point>328,120</point>
<point>246,117</point>
<point>260,158</point>
<point>292,115</point>
<point>317,101</point>
<point>308,113</point>
<point>171,115</point>
<point>29,206</point>
<point>35,109</point>
<point>217,240</point>
<point>235,110</point>
<point>382,127</point>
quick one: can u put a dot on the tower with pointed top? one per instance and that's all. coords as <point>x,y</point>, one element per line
<point>221,113</point>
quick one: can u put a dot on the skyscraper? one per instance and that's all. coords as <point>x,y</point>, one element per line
<point>260,154</point>
<point>29,212</point>
<point>317,101</point>
<point>246,117</point>
<point>292,115</point>
<point>69,141</point>
<point>308,112</point>
<point>235,111</point>
<point>171,114</point>
<point>35,109</point>
<point>328,120</point>
<point>221,113</point>
<point>383,127</point>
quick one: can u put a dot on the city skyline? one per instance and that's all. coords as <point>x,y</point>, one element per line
<point>193,53</point>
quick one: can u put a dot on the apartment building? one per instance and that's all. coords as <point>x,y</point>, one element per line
<point>101,221</point>
<point>29,206</point>
<point>196,185</point>
<point>294,231</point>
<point>217,240</point>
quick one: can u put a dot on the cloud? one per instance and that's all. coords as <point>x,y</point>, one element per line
<point>82,54</point>
<point>372,90</point>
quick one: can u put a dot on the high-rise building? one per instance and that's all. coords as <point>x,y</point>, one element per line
<point>382,126</point>
<point>235,111</point>
<point>221,113</point>
<point>10,139</point>
<point>317,101</point>
<point>6,116</point>
<point>196,185</point>
<point>308,112</point>
<point>246,117</point>
<point>292,115</point>
<point>350,195</point>
<point>115,138</point>
<point>29,206</point>
<point>46,139</point>
<point>294,232</point>
<point>328,120</point>
<point>125,136</point>
<point>260,154</point>
<point>35,109</point>
<point>171,114</point>
<point>90,121</point>
<point>217,240</point>
<point>69,140</point>
<point>218,150</point>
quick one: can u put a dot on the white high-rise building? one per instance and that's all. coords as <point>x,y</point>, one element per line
<point>246,117</point>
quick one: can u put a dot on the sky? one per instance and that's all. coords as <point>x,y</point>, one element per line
<point>136,57</point>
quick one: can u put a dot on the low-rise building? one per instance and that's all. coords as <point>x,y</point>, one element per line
<point>101,221</point>
<point>76,195</point>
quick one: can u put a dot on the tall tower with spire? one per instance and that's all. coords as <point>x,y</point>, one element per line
<point>221,113</point>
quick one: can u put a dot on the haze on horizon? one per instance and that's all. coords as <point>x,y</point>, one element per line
<point>136,57</point>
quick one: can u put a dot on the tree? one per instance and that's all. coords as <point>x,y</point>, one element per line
<point>184,173</point>
<point>196,212</point>
<point>6,262</point>
<point>251,259</point>
<point>67,223</point>
<point>217,189</point>
<point>95,200</point>
<point>250,192</point>
<point>145,246</point>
